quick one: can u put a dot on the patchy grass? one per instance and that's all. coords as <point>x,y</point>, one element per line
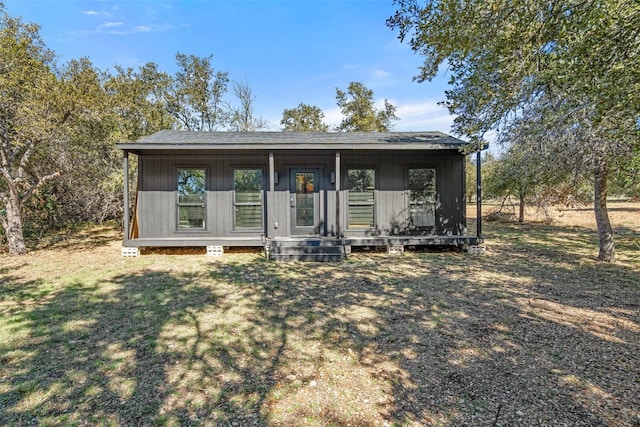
<point>534,332</point>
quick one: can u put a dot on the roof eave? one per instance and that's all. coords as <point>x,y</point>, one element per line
<point>132,146</point>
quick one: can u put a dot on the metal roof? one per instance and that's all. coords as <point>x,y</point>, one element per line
<point>187,140</point>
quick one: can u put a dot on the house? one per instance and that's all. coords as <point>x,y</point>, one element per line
<point>329,191</point>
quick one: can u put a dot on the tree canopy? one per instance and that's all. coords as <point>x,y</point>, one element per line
<point>359,111</point>
<point>34,118</point>
<point>303,118</point>
<point>564,73</point>
<point>59,123</point>
<point>194,97</point>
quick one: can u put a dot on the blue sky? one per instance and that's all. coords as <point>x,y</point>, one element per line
<point>288,51</point>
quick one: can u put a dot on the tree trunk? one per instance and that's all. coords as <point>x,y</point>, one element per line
<point>521,212</point>
<point>605,233</point>
<point>12,224</point>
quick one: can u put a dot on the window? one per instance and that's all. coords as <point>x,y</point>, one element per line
<point>247,202</point>
<point>422,197</point>
<point>191,198</point>
<point>361,184</point>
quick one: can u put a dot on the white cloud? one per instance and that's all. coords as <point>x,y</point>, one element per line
<point>142,29</point>
<point>415,116</point>
<point>111,24</point>
<point>332,117</point>
<point>119,29</point>
<point>97,13</point>
<point>420,115</point>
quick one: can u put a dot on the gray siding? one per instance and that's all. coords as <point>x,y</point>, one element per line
<point>157,205</point>
<point>157,208</point>
<point>392,196</point>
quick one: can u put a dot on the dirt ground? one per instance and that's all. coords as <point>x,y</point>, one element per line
<point>534,332</point>
<point>621,213</point>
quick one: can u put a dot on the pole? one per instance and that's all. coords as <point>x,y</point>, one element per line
<point>338,173</point>
<point>478,196</point>
<point>271,197</point>
<point>125,164</point>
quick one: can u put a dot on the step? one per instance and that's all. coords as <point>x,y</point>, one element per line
<point>318,250</point>
<point>306,249</point>
<point>307,257</point>
<point>306,242</point>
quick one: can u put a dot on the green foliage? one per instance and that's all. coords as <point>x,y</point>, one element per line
<point>138,101</point>
<point>360,115</point>
<point>625,181</point>
<point>361,180</point>
<point>303,118</point>
<point>194,98</point>
<point>566,72</point>
<point>586,52</point>
<point>59,124</point>
<point>34,118</point>
<point>247,180</point>
<point>191,185</point>
<point>470,179</point>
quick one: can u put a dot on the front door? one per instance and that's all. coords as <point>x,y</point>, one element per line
<point>305,201</point>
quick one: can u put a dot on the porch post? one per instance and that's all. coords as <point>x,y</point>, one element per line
<point>478,196</point>
<point>338,194</point>
<point>125,164</point>
<point>271,194</point>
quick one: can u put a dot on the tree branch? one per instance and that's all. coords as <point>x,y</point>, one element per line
<point>24,160</point>
<point>39,184</point>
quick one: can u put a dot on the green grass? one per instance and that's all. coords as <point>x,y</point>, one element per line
<point>535,331</point>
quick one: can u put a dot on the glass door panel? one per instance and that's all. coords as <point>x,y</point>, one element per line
<point>305,195</point>
<point>305,201</point>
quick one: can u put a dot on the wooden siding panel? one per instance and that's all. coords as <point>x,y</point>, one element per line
<point>391,197</point>
<point>157,204</point>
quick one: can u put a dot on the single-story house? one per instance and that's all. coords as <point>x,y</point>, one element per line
<point>296,189</point>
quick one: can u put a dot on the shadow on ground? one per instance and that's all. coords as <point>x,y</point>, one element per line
<point>530,334</point>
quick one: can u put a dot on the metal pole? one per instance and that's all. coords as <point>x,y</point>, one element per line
<point>125,164</point>
<point>478,196</point>
<point>271,196</point>
<point>338,194</point>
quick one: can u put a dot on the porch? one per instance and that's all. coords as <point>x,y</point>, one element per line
<point>331,249</point>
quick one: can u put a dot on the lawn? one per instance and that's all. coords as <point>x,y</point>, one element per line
<point>533,332</point>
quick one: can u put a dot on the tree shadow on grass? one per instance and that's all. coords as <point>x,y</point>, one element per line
<point>76,239</point>
<point>526,335</point>
<point>447,339</point>
<point>88,354</point>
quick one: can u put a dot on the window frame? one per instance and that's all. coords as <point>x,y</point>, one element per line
<point>202,204</point>
<point>373,204</point>
<point>411,205</point>
<point>235,204</point>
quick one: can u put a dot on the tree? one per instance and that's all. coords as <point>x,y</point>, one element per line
<point>139,101</point>
<point>360,115</point>
<point>303,118</point>
<point>32,121</point>
<point>578,63</point>
<point>470,179</point>
<point>520,173</point>
<point>626,179</point>
<point>90,182</point>
<point>242,118</point>
<point>194,98</point>
<point>57,129</point>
